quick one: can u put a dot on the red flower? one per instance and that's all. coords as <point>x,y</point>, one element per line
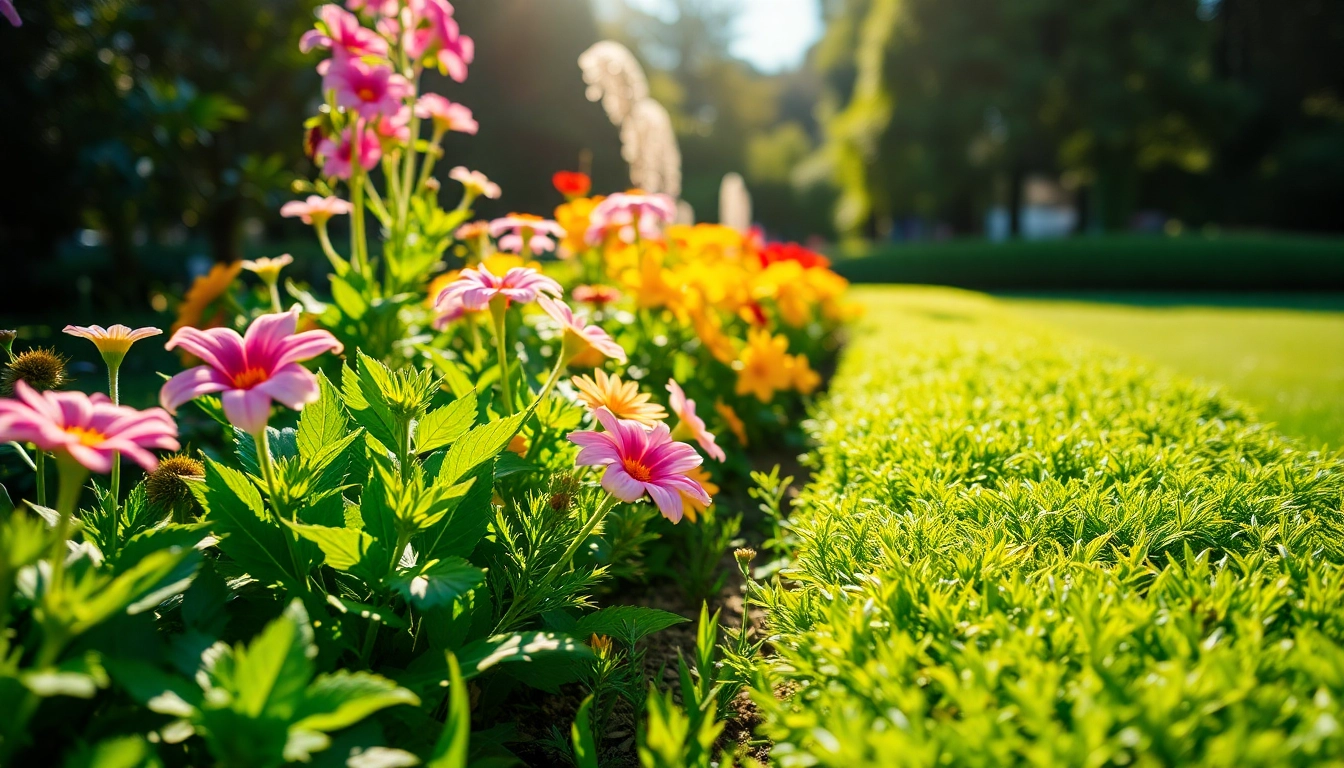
<point>572,184</point>
<point>777,252</point>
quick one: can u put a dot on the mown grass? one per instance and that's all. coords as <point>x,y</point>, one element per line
<point>1019,548</point>
<point>1289,365</point>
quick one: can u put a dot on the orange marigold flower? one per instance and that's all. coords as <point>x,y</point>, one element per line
<point>805,379</point>
<point>622,398</point>
<point>733,421</point>
<point>765,366</point>
<point>691,506</point>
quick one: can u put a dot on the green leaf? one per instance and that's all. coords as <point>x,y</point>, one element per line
<point>323,422</point>
<point>156,577</point>
<point>442,426</point>
<point>459,531</point>
<point>370,612</point>
<point>117,752</point>
<point>347,298</point>
<point>343,698</point>
<point>282,442</point>
<point>451,749</point>
<point>478,446</point>
<point>81,678</point>
<point>628,623</point>
<point>510,463</point>
<point>155,689</point>
<point>360,389</point>
<point>346,549</point>
<point>514,647</point>
<point>268,677</point>
<point>437,582</point>
<point>581,734</point>
<point>233,509</point>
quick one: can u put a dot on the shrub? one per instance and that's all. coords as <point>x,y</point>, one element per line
<point>1021,549</point>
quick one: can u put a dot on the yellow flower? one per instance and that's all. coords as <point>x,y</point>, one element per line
<point>268,269</point>
<point>518,445</point>
<point>601,645</point>
<point>785,283</point>
<point>113,343</point>
<point>691,507</point>
<point>764,367</point>
<point>573,216</point>
<point>653,286</point>
<point>706,242</point>
<point>622,398</point>
<point>805,379</point>
<point>709,328</point>
<point>733,421</point>
<point>203,293</point>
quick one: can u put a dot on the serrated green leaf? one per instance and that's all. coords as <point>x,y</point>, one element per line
<point>442,426</point>
<point>346,549</point>
<point>437,582</point>
<point>478,446</point>
<point>323,422</point>
<point>156,577</point>
<point>458,532</point>
<point>628,623</point>
<point>360,392</point>
<point>282,442</point>
<point>268,677</point>
<point>343,698</point>
<point>234,512</point>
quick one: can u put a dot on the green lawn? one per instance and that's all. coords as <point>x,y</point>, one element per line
<point>1287,364</point>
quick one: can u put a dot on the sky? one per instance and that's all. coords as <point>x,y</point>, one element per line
<point>771,34</point>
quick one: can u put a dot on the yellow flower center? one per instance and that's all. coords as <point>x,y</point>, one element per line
<point>86,436</point>
<point>250,378</point>
<point>636,470</point>
<point>365,94</point>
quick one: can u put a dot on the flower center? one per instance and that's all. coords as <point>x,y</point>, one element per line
<point>636,470</point>
<point>366,94</point>
<point>86,436</point>
<point>250,378</point>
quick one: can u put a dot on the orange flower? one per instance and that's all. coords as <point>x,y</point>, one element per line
<point>622,398</point>
<point>805,379</point>
<point>733,421</point>
<point>437,285</point>
<point>765,365</point>
<point>572,184</point>
<point>573,216</point>
<point>200,307</point>
<point>691,506</point>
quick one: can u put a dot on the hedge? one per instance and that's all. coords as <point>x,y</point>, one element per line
<point>1022,549</point>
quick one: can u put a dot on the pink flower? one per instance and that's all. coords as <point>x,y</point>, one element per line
<point>514,228</point>
<point>376,7</point>
<point>113,343</point>
<point>579,335</point>
<point>338,159</point>
<point>89,429</point>
<point>250,370</point>
<point>7,10</point>
<point>447,115</point>
<point>316,209</point>
<point>626,212</point>
<point>433,30</point>
<point>690,425</point>
<point>639,461</point>
<point>370,90</point>
<point>475,182</point>
<point>344,35</point>
<point>395,128</point>
<point>474,288</point>
<point>448,310</point>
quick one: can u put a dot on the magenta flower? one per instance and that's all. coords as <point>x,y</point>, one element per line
<point>627,213</point>
<point>344,36</point>
<point>7,10</point>
<point>691,426</point>
<point>474,288</point>
<point>447,115</point>
<point>250,370</point>
<point>316,209</point>
<point>579,336</point>
<point>89,429</point>
<point>516,228</point>
<point>395,128</point>
<point>640,461</point>
<point>376,7</point>
<point>475,183</point>
<point>338,159</point>
<point>433,31</point>
<point>371,90</point>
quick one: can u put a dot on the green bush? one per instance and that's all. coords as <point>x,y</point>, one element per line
<point>1020,549</point>
<point>1110,263</point>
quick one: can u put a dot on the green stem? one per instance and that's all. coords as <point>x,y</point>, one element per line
<point>40,462</point>
<point>358,259</point>
<point>23,454</point>
<point>408,173</point>
<point>377,206</point>
<point>276,306</point>
<point>71,475</point>
<point>114,392</point>
<point>263,443</point>
<point>337,263</point>
<point>499,311</point>
<point>427,166</point>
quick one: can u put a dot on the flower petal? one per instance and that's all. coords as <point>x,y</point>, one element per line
<point>620,484</point>
<point>668,500</point>
<point>247,409</point>
<point>293,386</point>
<point>189,385</point>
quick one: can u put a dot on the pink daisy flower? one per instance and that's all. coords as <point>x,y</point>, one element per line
<point>447,115</point>
<point>338,159</point>
<point>371,90</point>
<point>475,183</point>
<point>344,35</point>
<point>516,228</point>
<point>691,426</point>
<point>251,370</point>
<point>579,335</point>
<point>625,213</point>
<point>316,209</point>
<point>474,288</point>
<point>89,429</point>
<point>641,461</point>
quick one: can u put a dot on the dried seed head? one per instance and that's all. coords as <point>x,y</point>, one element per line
<point>563,489</point>
<point>41,369</point>
<point>166,487</point>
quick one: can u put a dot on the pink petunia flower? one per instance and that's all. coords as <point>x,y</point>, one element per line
<point>514,229</point>
<point>432,30</point>
<point>89,429</point>
<point>447,115</point>
<point>639,461</point>
<point>338,159</point>
<point>371,90</point>
<point>689,425</point>
<point>394,128</point>
<point>7,10</point>
<point>624,213</point>
<point>579,336</point>
<point>476,287</point>
<point>316,209</point>
<point>251,370</point>
<point>344,36</point>
<point>475,183</point>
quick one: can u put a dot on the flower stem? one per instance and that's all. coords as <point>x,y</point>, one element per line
<point>40,467</point>
<point>377,206</point>
<point>337,263</point>
<point>71,475</point>
<point>275,297</point>
<point>358,259</point>
<point>427,165</point>
<point>114,392</point>
<point>499,310</point>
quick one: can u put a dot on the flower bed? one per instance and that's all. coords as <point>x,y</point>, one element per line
<point>412,487</point>
<point>1022,549</point>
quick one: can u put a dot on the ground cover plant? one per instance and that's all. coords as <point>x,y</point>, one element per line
<point>370,514</point>
<point>1020,548</point>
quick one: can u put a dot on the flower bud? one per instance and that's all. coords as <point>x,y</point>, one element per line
<point>41,369</point>
<point>7,342</point>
